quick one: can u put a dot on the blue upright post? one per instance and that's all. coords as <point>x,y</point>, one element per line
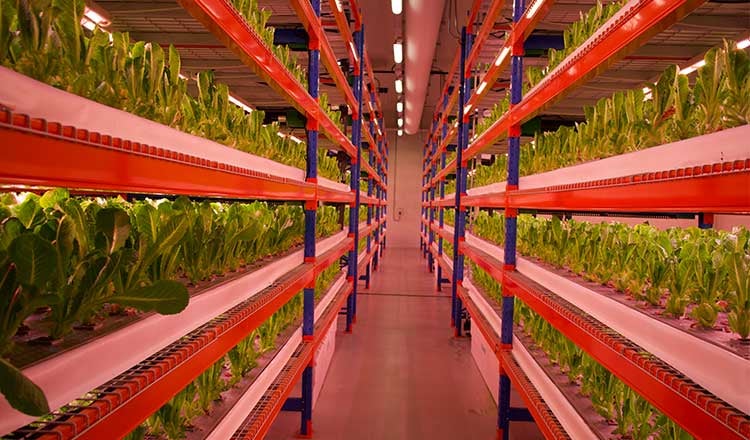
<point>511,214</point>
<point>441,209</point>
<point>311,206</point>
<point>355,176</point>
<point>464,92</point>
<point>422,209</point>
<point>431,196</point>
<point>370,183</point>
<point>384,191</point>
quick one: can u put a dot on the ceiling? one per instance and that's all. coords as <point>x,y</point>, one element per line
<point>165,22</point>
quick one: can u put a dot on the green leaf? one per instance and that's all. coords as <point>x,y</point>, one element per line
<point>29,212</point>
<point>22,394</point>
<point>35,259</point>
<point>114,223</point>
<point>164,296</point>
<point>174,65</point>
<point>52,197</point>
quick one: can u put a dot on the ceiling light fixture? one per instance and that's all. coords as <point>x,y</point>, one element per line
<point>398,52</point>
<point>397,6</point>
<point>399,106</point>
<point>399,86</point>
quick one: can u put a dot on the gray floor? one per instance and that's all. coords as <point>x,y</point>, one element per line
<point>401,374</point>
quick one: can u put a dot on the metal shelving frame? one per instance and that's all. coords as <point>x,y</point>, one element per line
<point>674,190</point>
<point>63,156</point>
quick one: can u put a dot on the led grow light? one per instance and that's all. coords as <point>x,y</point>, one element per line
<point>95,18</point>
<point>399,86</point>
<point>397,6</point>
<point>238,103</point>
<point>692,68</point>
<point>398,52</point>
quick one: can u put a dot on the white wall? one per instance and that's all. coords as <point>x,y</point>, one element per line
<point>404,190</point>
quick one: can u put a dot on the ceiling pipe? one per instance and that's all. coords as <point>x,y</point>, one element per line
<point>423,19</point>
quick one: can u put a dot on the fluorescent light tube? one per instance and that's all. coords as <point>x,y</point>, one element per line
<point>692,68</point>
<point>88,24</point>
<point>95,17</point>
<point>397,6</point>
<point>398,52</point>
<point>240,104</point>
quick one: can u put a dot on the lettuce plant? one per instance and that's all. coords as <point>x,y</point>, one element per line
<point>702,272</point>
<point>633,416</point>
<point>44,40</point>
<point>627,121</point>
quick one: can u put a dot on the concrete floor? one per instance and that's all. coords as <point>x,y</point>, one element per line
<point>401,374</point>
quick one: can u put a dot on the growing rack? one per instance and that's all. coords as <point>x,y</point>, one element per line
<point>55,139</point>
<point>663,364</point>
